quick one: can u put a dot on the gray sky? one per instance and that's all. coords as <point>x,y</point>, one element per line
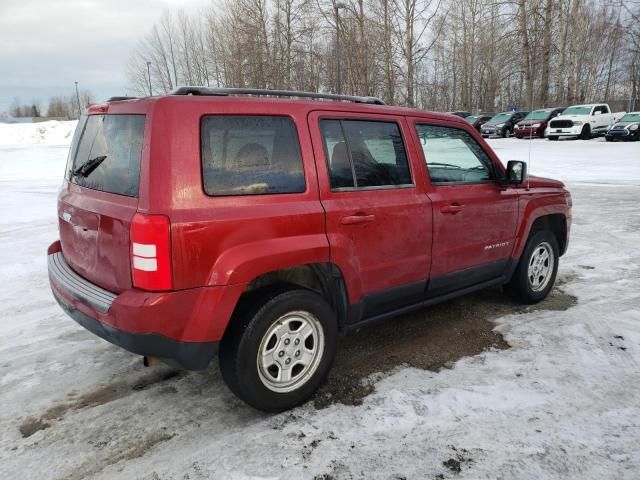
<point>46,45</point>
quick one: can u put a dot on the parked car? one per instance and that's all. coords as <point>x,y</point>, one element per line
<point>460,114</point>
<point>582,121</point>
<point>201,223</point>
<point>627,128</point>
<point>535,123</point>
<point>478,120</point>
<point>502,124</point>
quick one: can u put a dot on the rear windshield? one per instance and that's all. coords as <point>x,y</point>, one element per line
<point>250,155</point>
<point>106,154</point>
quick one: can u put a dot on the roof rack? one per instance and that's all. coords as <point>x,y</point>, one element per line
<point>115,99</point>
<point>275,93</point>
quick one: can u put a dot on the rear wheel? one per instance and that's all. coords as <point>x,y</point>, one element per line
<point>537,268</point>
<point>279,351</point>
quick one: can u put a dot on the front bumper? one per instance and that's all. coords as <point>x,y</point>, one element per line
<point>622,134</point>
<point>574,131</point>
<point>524,132</point>
<point>182,327</point>
<point>490,131</point>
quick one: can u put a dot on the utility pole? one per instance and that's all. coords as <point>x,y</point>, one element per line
<point>78,98</point>
<point>338,82</point>
<point>149,77</point>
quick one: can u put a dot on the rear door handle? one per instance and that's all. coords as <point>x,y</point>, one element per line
<point>453,208</point>
<point>357,219</point>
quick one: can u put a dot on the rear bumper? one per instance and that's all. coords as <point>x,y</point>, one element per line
<point>188,355</point>
<point>180,326</point>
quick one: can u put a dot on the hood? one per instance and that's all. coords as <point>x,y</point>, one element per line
<point>569,117</point>
<point>528,123</point>
<point>498,122</point>
<point>542,182</point>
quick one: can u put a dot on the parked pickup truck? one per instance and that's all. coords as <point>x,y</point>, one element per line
<point>582,121</point>
<point>206,223</point>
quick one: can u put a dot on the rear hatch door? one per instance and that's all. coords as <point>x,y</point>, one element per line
<point>100,197</point>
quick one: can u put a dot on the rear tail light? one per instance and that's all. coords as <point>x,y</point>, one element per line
<point>151,252</point>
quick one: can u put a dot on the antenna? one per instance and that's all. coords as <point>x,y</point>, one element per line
<point>530,140</point>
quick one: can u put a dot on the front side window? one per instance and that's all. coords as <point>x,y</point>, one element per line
<point>453,156</point>
<point>250,155</point>
<point>363,153</point>
<point>106,154</point>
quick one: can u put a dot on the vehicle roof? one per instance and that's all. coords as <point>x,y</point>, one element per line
<point>283,104</point>
<point>587,105</point>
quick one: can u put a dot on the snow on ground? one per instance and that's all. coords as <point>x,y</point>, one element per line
<point>563,402</point>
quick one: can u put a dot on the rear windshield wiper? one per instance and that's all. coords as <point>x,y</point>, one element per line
<point>89,166</point>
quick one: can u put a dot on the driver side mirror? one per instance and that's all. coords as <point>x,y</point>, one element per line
<point>516,172</point>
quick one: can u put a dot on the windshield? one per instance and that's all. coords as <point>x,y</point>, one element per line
<point>472,118</point>
<point>577,111</point>
<point>501,117</point>
<point>538,115</point>
<point>106,155</point>
<point>631,117</point>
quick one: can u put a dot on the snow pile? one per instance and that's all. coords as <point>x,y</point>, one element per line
<point>7,118</point>
<point>52,132</point>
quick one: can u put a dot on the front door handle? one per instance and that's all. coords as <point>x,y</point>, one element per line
<point>453,208</point>
<point>357,219</point>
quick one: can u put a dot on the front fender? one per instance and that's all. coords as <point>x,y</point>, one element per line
<point>534,206</point>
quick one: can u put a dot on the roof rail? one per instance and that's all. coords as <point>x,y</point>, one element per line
<point>192,90</point>
<point>115,99</point>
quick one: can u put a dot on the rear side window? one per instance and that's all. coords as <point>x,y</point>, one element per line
<point>250,155</point>
<point>106,154</point>
<point>364,154</point>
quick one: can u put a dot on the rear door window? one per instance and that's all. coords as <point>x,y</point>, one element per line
<point>106,155</point>
<point>364,153</point>
<point>250,155</point>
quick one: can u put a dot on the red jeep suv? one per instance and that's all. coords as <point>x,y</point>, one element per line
<point>210,222</point>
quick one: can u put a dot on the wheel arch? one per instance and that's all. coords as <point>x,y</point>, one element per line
<point>556,223</point>
<point>324,278</point>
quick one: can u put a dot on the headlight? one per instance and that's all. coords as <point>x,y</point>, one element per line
<point>536,125</point>
<point>577,123</point>
<point>500,125</point>
<point>633,127</point>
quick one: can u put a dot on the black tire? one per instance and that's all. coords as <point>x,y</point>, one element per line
<point>506,132</point>
<point>586,133</point>
<point>552,138</point>
<point>608,139</point>
<point>241,345</point>
<point>520,286</point>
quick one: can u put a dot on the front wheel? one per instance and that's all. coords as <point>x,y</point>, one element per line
<point>279,352</point>
<point>586,133</point>
<point>506,133</point>
<point>553,138</point>
<point>536,272</point>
